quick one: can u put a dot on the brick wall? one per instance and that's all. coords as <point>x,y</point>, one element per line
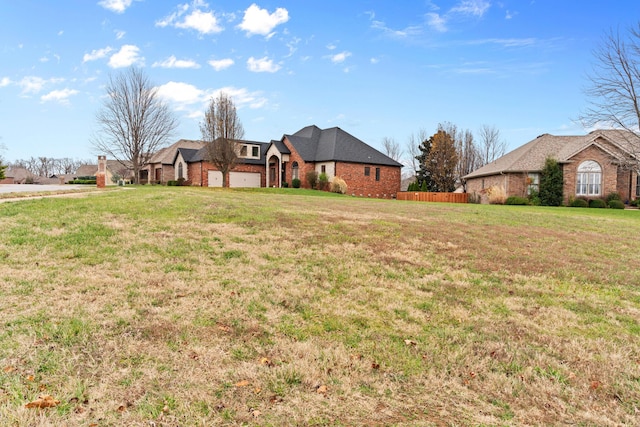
<point>358,184</point>
<point>609,172</point>
<point>479,186</point>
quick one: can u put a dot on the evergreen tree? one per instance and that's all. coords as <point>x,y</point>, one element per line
<point>551,183</point>
<point>442,161</point>
<point>423,175</point>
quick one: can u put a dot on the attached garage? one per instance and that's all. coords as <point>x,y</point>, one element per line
<point>215,179</point>
<point>244,179</point>
<point>236,179</point>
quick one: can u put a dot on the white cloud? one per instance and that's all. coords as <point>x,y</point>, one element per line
<point>96,54</point>
<point>117,6</point>
<point>173,62</point>
<point>374,60</point>
<point>61,96</point>
<point>331,46</point>
<point>340,57</point>
<point>120,34</point>
<point>5,82</point>
<point>261,22</point>
<point>471,7</point>
<point>127,55</point>
<point>32,84</point>
<point>262,65</point>
<point>181,93</point>
<point>221,64</point>
<point>437,22</point>
<point>193,18</point>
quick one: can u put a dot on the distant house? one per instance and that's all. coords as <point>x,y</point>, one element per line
<point>333,151</point>
<point>593,166</point>
<point>13,175</point>
<point>115,170</point>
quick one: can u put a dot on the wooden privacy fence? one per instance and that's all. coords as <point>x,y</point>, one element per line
<point>422,196</point>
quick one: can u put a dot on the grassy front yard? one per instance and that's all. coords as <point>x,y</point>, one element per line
<point>189,306</point>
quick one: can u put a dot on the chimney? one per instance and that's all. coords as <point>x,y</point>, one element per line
<point>101,176</point>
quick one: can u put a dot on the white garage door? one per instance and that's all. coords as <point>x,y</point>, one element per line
<point>215,179</point>
<point>244,179</point>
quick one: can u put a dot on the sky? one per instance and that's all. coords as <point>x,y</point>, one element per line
<point>375,68</point>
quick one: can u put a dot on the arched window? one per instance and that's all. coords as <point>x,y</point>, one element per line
<point>180,175</point>
<point>294,170</point>
<point>589,180</point>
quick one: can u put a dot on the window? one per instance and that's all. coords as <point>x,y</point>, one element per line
<point>367,171</point>
<point>589,179</point>
<point>377,174</point>
<point>180,172</point>
<point>255,151</point>
<point>533,183</point>
<point>294,171</point>
<point>323,169</point>
<point>243,151</point>
<point>638,185</point>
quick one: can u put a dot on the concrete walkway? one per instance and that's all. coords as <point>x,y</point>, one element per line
<point>37,188</point>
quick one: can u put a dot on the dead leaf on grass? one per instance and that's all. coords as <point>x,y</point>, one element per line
<point>242,383</point>
<point>410,342</point>
<point>8,369</point>
<point>46,401</point>
<point>266,362</point>
<point>224,327</point>
<point>323,389</point>
<point>375,365</point>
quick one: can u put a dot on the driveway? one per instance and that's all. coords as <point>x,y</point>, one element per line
<point>37,188</point>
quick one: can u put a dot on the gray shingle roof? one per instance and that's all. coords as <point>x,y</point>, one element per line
<point>166,155</point>
<point>531,156</point>
<point>334,144</point>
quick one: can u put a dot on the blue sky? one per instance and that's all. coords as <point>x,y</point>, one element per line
<point>375,68</point>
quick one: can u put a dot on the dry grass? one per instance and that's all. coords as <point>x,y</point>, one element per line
<point>182,306</point>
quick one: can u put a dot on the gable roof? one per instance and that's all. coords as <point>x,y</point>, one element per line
<point>531,156</point>
<point>334,144</point>
<point>166,155</point>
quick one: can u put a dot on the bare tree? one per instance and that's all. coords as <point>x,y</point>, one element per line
<point>468,156</point>
<point>413,149</point>
<point>221,130</point>
<point>491,146</point>
<point>133,121</point>
<point>614,85</point>
<point>392,148</point>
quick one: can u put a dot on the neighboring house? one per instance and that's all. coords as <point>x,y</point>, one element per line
<point>114,169</point>
<point>160,168</point>
<point>14,175</point>
<point>332,151</point>
<point>593,166</point>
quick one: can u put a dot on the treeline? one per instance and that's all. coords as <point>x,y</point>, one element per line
<point>48,166</point>
<point>440,161</point>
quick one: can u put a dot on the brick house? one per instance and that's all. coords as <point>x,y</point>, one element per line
<point>192,165</point>
<point>593,166</point>
<point>160,168</point>
<point>367,172</point>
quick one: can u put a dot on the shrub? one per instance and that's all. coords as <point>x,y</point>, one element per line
<point>578,203</point>
<point>339,186</point>
<point>474,198</point>
<point>285,185</point>
<point>551,183</point>
<point>172,183</point>
<point>312,179</point>
<point>613,196</point>
<point>181,181</point>
<point>295,183</point>
<point>597,203</point>
<point>616,204</point>
<point>323,181</point>
<point>635,203</point>
<point>516,200</point>
<point>497,195</point>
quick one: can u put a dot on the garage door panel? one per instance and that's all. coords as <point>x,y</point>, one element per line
<point>215,178</point>
<point>244,179</point>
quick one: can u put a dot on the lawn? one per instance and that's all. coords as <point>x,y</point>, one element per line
<point>173,306</point>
